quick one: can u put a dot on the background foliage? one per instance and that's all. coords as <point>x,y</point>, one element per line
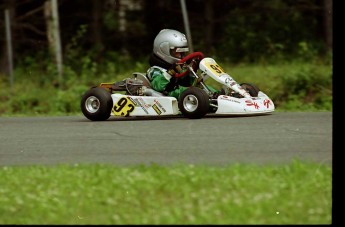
<point>284,46</point>
<point>239,30</point>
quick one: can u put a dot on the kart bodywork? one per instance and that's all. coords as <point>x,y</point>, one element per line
<point>135,97</point>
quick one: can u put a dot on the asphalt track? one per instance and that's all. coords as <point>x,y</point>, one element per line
<point>268,139</point>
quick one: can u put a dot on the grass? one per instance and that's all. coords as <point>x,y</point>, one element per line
<point>295,193</point>
<point>293,86</point>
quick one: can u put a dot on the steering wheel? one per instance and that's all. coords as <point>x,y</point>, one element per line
<point>196,55</point>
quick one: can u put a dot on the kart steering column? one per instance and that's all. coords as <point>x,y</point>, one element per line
<point>201,82</point>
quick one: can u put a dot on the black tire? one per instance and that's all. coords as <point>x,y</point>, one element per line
<point>252,89</point>
<point>194,103</point>
<point>96,104</point>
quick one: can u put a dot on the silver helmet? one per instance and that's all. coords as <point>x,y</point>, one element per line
<point>170,45</point>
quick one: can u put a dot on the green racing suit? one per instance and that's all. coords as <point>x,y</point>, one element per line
<point>163,82</point>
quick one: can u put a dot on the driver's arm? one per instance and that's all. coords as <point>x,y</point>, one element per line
<point>158,82</point>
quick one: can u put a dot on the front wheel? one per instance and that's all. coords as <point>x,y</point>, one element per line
<point>194,103</point>
<point>252,89</point>
<point>96,104</point>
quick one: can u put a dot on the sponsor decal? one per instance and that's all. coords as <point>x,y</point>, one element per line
<point>158,111</point>
<point>133,101</point>
<point>227,80</point>
<point>227,98</point>
<point>251,103</point>
<point>267,103</point>
<point>142,104</point>
<point>159,105</point>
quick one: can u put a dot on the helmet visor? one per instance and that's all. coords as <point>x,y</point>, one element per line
<point>179,52</point>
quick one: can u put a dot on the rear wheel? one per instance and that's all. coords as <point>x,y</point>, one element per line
<point>252,89</point>
<point>96,104</point>
<point>194,103</point>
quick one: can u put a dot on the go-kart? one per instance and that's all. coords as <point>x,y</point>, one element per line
<point>135,97</point>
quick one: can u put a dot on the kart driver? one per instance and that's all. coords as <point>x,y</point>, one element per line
<point>169,47</point>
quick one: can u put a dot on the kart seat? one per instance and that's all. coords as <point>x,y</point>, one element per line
<point>142,76</point>
<point>148,90</point>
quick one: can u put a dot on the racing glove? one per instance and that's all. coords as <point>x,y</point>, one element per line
<point>176,68</point>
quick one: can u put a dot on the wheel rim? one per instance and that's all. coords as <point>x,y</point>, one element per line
<point>92,104</point>
<point>190,103</point>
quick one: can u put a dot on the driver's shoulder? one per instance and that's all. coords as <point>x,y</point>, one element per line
<point>157,68</point>
<point>154,71</point>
